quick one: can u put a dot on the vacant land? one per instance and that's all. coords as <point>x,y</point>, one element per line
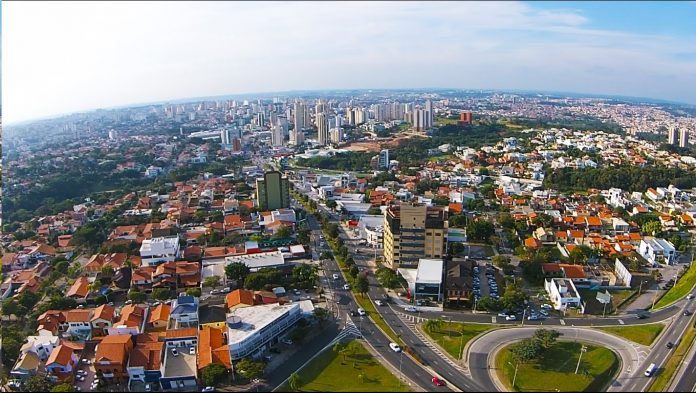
<point>642,334</point>
<point>356,372</point>
<point>555,370</point>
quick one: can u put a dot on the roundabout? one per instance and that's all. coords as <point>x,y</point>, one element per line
<point>481,353</point>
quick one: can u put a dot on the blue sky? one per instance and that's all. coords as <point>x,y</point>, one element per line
<point>72,56</point>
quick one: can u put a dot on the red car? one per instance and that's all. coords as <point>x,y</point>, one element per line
<point>438,382</point>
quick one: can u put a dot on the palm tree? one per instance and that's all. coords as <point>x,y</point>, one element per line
<point>295,382</point>
<point>433,324</point>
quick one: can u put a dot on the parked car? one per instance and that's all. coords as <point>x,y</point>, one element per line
<point>192,351</point>
<point>546,306</point>
<point>510,318</point>
<point>175,352</point>
<point>346,287</point>
<point>361,312</point>
<point>438,382</point>
<point>208,389</point>
<point>502,314</point>
<point>379,302</point>
<point>395,347</point>
<point>335,276</point>
<point>86,361</point>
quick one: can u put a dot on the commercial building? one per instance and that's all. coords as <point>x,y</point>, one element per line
<point>159,249</point>
<point>465,117</point>
<point>272,191</point>
<point>426,281</point>
<point>384,158</point>
<point>656,251</point>
<point>322,129</point>
<point>251,330</point>
<point>413,231</point>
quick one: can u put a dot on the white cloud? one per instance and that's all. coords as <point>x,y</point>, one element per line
<point>71,56</point>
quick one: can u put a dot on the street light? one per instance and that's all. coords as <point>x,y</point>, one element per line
<point>641,286</point>
<point>583,349</point>
<point>514,377</point>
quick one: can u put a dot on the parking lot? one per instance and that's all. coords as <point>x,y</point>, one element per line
<point>484,282</point>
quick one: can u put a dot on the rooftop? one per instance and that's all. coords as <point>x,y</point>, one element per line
<point>255,318</point>
<point>179,366</point>
<point>429,271</point>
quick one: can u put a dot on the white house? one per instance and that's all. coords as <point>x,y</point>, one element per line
<point>656,250</point>
<point>562,293</point>
<point>619,225</point>
<point>40,345</point>
<point>159,249</point>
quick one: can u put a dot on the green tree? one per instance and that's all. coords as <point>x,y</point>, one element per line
<point>362,285</point>
<point>526,350</point>
<point>331,204</point>
<point>506,220</point>
<point>652,228</point>
<point>305,273</point>
<point>237,271</point>
<point>63,387</point>
<point>136,296</point>
<point>212,281</point>
<point>321,315</point>
<point>353,271</point>
<point>387,278</point>
<point>195,292</point>
<point>107,271</point>
<point>489,304</point>
<point>161,294</point>
<point>295,382</point>
<point>37,383</point>
<point>513,298</point>
<point>501,261</point>
<point>546,337</point>
<point>479,230</point>
<point>213,374</point>
<point>250,369</point>
<point>433,325</point>
<point>283,232</point>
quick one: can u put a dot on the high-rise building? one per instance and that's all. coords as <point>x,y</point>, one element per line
<point>465,117</point>
<point>684,138</point>
<point>419,119</point>
<point>236,144</point>
<point>413,231</point>
<point>351,116</point>
<point>260,119</point>
<point>384,158</point>
<point>430,114</point>
<point>277,137</point>
<point>322,128</point>
<point>336,135</point>
<point>225,136</point>
<point>299,116</point>
<point>673,135</point>
<point>272,191</point>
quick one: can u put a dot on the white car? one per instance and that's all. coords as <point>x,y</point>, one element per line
<point>335,276</point>
<point>546,306</point>
<point>86,361</point>
<point>192,351</point>
<point>286,341</point>
<point>689,296</point>
<point>175,352</point>
<point>411,309</point>
<point>395,347</point>
<point>346,287</point>
<point>379,302</point>
<point>510,318</point>
<point>361,312</point>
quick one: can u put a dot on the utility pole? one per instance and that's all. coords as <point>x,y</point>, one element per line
<point>524,313</point>
<point>583,349</point>
<point>514,377</point>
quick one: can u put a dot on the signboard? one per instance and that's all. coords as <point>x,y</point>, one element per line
<point>604,298</point>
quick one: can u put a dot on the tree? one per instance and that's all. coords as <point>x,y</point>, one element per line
<point>195,292</point>
<point>457,221</point>
<point>338,348</point>
<point>321,315</point>
<point>652,228</point>
<point>63,266</point>
<point>526,350</point>
<point>387,278</point>
<point>546,337</point>
<point>136,296</point>
<point>433,325</point>
<point>501,261</point>
<point>212,281</point>
<point>362,284</point>
<point>283,232</point>
<point>513,298</point>
<point>250,369</point>
<point>61,303</point>
<point>506,220</point>
<point>63,387</point>
<point>479,229</point>
<point>107,271</point>
<point>325,255</point>
<point>213,374</point>
<point>305,274</point>
<point>489,304</point>
<point>303,236</point>
<point>331,204</point>
<point>295,381</point>
<point>237,271</point>
<point>161,294</point>
<point>353,271</point>
<point>37,383</point>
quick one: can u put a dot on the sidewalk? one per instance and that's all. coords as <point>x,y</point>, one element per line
<point>642,302</point>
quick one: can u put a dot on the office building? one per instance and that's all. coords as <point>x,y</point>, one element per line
<point>384,158</point>
<point>673,135</point>
<point>322,129</point>
<point>272,191</point>
<point>236,144</point>
<point>684,138</point>
<point>277,137</point>
<point>429,115</point>
<point>336,135</point>
<point>419,119</point>
<point>299,116</point>
<point>413,231</point>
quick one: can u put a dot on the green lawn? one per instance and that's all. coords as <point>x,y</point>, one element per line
<point>680,289</point>
<point>450,338</point>
<point>556,369</point>
<point>594,307</point>
<point>329,372</point>
<point>642,334</point>
<point>663,375</point>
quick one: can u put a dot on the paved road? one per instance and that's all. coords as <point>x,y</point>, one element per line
<point>482,365</point>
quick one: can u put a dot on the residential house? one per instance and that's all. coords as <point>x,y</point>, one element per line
<point>28,364</point>
<point>657,251</point>
<point>112,354</point>
<point>102,319</point>
<point>145,361</point>
<point>240,298</point>
<point>180,370</point>
<point>79,290</point>
<point>78,324</point>
<point>212,348</point>
<point>131,320</point>
<point>562,293</point>
<point>184,312</point>
<point>61,363</point>
<point>159,317</point>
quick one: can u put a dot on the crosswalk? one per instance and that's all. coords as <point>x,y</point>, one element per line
<point>410,321</point>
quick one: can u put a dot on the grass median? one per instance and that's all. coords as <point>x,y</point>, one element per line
<point>642,334</point>
<point>555,369</point>
<point>452,337</point>
<point>366,304</point>
<point>679,290</point>
<point>663,376</point>
<point>358,371</point>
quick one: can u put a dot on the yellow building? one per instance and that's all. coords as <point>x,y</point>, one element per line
<point>413,231</point>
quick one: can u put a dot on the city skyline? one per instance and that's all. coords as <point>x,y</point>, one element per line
<point>178,50</point>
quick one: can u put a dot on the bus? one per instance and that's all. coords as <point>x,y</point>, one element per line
<point>650,370</point>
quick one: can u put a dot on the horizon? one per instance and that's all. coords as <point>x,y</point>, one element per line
<point>197,50</point>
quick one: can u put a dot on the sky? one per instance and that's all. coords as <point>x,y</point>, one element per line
<point>62,57</point>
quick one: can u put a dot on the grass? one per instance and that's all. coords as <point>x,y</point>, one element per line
<point>664,375</point>
<point>642,334</point>
<point>359,372</point>
<point>446,121</point>
<point>594,307</point>
<point>683,286</point>
<point>556,369</point>
<point>454,338</point>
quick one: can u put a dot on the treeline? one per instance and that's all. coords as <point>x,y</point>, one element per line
<point>352,161</point>
<point>628,178</point>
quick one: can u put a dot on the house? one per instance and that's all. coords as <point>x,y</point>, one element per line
<point>141,278</point>
<point>619,225</point>
<point>212,348</point>
<point>184,312</point>
<point>159,317</point>
<point>543,235</point>
<point>111,357</point>
<point>179,274</point>
<point>28,364</point>
<point>160,249</point>
<point>240,298</point>
<point>102,319</point>
<point>562,293</point>
<point>145,361</point>
<point>98,261</point>
<point>79,290</point>
<point>458,281</point>
<point>657,251</point>
<point>180,370</point>
<point>61,362</point>
<point>42,346</point>
<point>131,321</point>
<point>78,324</point>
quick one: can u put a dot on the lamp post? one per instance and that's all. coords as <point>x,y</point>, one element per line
<point>514,377</point>
<point>583,349</point>
<point>640,288</point>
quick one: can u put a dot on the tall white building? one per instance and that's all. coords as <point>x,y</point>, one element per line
<point>336,135</point>
<point>225,136</point>
<point>419,119</point>
<point>299,116</point>
<point>684,138</point>
<point>430,115</point>
<point>322,129</point>
<point>277,136</point>
<point>672,135</point>
<point>384,158</point>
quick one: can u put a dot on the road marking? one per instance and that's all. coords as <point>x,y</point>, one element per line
<point>493,319</point>
<point>621,322</point>
<point>562,322</point>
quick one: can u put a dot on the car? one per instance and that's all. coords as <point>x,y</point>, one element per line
<point>226,290</point>
<point>642,316</point>
<point>544,313</point>
<point>77,388</point>
<point>192,351</point>
<point>85,361</point>
<point>502,314</point>
<point>686,313</point>
<point>335,276</point>
<point>297,292</point>
<point>129,302</point>
<point>379,302</point>
<point>346,287</point>
<point>510,318</point>
<point>353,313</point>
<point>81,372</point>
<point>438,382</point>
<point>689,296</point>
<point>357,251</point>
<point>148,387</point>
<point>395,347</point>
<point>175,352</point>
<point>286,340</point>
<point>411,309</point>
<point>361,312</point>
<point>214,291</point>
<point>532,317</point>
<point>669,344</point>
<point>546,306</point>
<point>208,389</point>
<point>111,304</point>
<point>267,358</point>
